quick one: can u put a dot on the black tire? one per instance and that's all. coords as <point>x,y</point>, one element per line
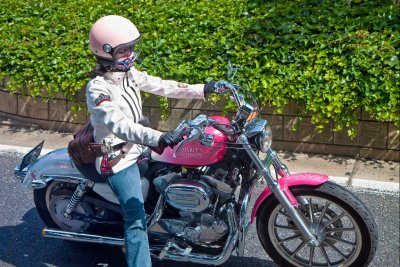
<point>356,224</point>
<point>39,197</point>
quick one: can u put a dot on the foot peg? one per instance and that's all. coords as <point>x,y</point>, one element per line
<point>171,244</point>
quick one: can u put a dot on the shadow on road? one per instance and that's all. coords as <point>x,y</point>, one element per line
<point>22,245</point>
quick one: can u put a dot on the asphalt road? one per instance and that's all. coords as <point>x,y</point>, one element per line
<point>21,243</point>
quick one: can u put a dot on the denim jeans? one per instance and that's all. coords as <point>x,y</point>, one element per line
<point>127,187</point>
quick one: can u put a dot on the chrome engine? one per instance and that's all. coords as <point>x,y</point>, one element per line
<point>189,195</point>
<point>202,220</point>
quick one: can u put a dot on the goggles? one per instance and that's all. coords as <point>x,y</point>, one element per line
<point>122,50</point>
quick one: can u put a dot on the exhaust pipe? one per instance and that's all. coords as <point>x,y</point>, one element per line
<point>185,255</point>
<point>80,237</point>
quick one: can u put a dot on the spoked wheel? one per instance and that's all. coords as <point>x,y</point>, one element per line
<point>344,227</point>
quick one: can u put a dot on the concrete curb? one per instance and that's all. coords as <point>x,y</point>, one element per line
<point>343,181</point>
<point>21,149</point>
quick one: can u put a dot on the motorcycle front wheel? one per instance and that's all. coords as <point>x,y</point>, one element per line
<point>342,224</point>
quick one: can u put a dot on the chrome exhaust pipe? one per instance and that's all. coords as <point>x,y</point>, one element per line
<point>80,237</point>
<point>173,252</point>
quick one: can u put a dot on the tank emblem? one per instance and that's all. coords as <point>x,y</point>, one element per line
<point>191,152</point>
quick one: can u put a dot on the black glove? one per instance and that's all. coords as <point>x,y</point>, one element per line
<point>167,139</point>
<point>215,87</point>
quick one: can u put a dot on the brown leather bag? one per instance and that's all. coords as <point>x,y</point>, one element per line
<point>82,149</point>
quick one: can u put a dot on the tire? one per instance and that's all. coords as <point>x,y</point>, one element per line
<point>347,233</point>
<point>39,197</point>
<point>50,203</point>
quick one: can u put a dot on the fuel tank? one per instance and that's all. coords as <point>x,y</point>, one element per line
<point>194,154</point>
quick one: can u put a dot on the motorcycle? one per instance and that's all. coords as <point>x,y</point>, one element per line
<point>197,198</point>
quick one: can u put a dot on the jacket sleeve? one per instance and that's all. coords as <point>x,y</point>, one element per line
<point>168,88</point>
<point>104,111</point>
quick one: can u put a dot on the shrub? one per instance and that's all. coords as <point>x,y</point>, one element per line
<point>332,57</point>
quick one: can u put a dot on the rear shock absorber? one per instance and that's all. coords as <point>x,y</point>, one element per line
<point>76,197</point>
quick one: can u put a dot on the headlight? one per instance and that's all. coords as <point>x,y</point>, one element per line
<point>264,139</point>
<point>259,134</point>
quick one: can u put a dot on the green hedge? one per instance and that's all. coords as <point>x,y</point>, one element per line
<point>332,57</point>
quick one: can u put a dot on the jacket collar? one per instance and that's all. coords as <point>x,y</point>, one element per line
<point>115,77</point>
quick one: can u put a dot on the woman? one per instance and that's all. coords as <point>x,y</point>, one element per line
<point>113,100</point>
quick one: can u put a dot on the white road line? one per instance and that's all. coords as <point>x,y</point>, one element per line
<point>377,185</point>
<point>21,149</point>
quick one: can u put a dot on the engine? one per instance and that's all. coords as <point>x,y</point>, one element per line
<point>189,195</point>
<point>200,201</point>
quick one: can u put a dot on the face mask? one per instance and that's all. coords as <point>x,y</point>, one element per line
<point>125,63</point>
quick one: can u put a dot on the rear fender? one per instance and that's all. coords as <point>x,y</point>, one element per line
<point>53,165</point>
<point>313,179</point>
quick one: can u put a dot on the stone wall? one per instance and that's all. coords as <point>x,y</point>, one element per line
<point>52,114</point>
<point>375,139</point>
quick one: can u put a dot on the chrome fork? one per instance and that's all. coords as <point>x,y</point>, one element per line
<point>273,185</point>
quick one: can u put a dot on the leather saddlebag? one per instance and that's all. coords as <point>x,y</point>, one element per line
<point>82,148</point>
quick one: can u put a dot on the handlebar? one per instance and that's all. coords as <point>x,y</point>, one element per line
<point>221,127</point>
<point>194,129</point>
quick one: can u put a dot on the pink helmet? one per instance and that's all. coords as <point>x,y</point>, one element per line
<point>111,35</point>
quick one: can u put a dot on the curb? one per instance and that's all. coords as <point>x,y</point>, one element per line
<point>343,181</point>
<point>21,149</point>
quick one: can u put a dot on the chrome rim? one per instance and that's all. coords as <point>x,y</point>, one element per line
<point>336,230</point>
<point>57,204</point>
<point>53,186</point>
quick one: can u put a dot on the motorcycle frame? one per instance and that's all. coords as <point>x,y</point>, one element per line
<point>279,188</point>
<point>237,220</point>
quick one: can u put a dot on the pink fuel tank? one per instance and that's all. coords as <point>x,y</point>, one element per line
<point>194,154</point>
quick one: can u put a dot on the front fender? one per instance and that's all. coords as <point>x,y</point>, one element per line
<point>313,179</point>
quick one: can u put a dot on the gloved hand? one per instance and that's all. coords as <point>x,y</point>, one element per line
<point>215,87</point>
<point>167,139</point>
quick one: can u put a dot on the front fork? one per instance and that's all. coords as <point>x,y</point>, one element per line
<point>284,195</point>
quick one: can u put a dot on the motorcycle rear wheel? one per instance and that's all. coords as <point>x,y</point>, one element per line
<point>51,202</point>
<point>343,225</point>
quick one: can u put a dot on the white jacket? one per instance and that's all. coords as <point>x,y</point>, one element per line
<point>115,107</point>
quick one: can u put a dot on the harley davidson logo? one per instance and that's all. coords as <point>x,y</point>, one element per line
<point>191,152</point>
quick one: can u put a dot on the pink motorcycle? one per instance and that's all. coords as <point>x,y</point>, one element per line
<point>197,198</point>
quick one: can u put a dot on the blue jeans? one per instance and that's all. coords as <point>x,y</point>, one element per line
<point>126,185</point>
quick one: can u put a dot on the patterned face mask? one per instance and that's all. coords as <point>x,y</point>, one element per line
<point>125,63</point>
